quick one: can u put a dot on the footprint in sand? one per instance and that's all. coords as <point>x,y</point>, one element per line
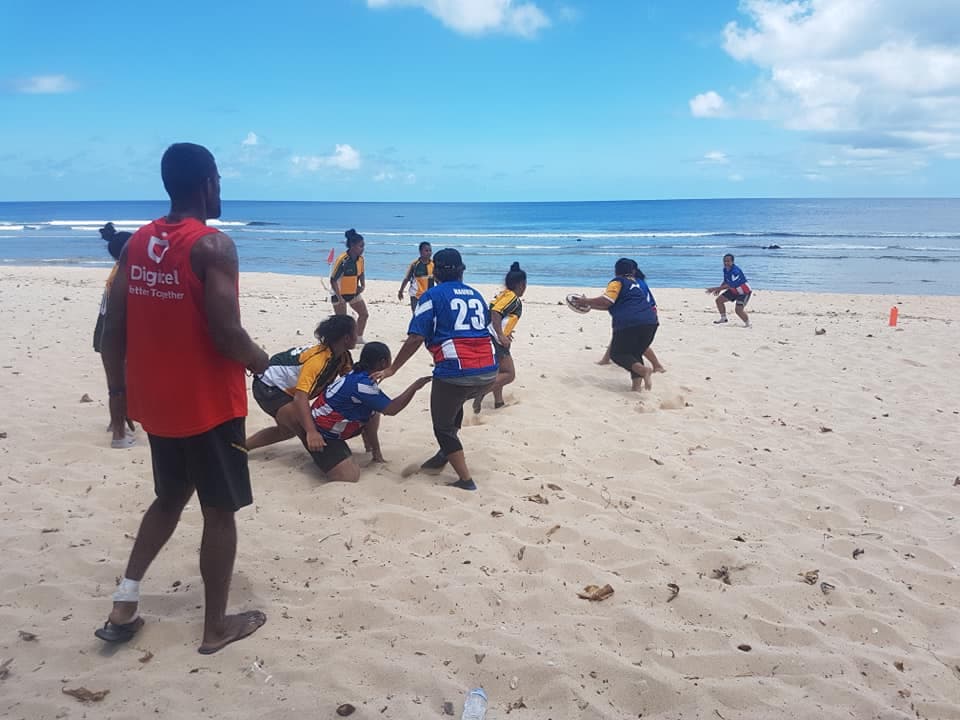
<point>674,402</point>
<point>411,469</point>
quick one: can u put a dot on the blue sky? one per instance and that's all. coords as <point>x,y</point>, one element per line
<point>445,100</point>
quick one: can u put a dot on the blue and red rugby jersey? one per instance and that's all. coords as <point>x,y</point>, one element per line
<point>346,405</point>
<point>734,279</point>
<point>453,319</point>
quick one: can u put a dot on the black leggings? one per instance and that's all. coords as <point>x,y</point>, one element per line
<point>628,345</point>
<point>446,410</point>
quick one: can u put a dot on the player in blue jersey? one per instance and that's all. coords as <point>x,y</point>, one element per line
<point>634,313</point>
<point>452,319</point>
<point>351,405</point>
<point>733,289</point>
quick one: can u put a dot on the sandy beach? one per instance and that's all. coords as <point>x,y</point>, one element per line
<point>761,455</point>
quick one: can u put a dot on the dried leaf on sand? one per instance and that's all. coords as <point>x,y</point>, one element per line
<point>538,498</point>
<point>146,657</point>
<point>674,591</point>
<point>5,668</point>
<point>722,573</point>
<point>810,577</point>
<point>345,709</point>
<point>857,553</point>
<point>27,636</point>
<point>552,530</point>
<point>595,592</point>
<point>84,695</point>
<point>516,705</point>
<point>826,588</point>
<point>555,488</point>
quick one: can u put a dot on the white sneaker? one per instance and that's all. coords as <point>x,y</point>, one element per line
<point>747,325</point>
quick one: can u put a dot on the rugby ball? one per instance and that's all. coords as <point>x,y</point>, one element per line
<point>572,300</point>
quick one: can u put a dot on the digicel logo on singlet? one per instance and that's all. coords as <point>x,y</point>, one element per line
<point>152,278</point>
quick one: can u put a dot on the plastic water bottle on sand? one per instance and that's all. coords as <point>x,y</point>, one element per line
<point>475,706</point>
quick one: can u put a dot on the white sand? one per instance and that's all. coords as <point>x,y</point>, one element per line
<point>385,594</point>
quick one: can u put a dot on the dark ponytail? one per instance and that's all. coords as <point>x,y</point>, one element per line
<point>335,327</point>
<point>626,266</point>
<point>373,354</point>
<point>353,237</point>
<point>515,277</point>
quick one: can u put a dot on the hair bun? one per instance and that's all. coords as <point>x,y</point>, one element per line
<point>350,234</point>
<point>514,267</point>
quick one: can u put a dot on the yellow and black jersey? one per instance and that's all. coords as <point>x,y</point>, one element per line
<point>309,368</point>
<point>347,271</point>
<point>510,308</point>
<point>420,277</point>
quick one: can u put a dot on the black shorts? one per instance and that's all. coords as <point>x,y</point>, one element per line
<point>737,298</point>
<point>269,398</point>
<point>629,343</point>
<point>337,299</point>
<point>98,333</point>
<point>214,462</point>
<point>333,453</point>
<point>499,351</point>
<point>446,410</point>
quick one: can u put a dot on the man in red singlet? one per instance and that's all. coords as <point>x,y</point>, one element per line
<point>175,353</point>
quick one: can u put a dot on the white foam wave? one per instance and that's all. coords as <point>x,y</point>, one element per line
<point>92,223</point>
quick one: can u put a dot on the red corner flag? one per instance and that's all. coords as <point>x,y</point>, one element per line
<point>330,257</point>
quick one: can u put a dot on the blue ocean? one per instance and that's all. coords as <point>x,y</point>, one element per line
<point>902,246</point>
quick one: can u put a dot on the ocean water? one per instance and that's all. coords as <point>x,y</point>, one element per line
<point>902,246</point>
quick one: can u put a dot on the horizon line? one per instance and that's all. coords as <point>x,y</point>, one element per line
<point>517,202</point>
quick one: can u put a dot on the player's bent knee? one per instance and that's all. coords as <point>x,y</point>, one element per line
<point>345,471</point>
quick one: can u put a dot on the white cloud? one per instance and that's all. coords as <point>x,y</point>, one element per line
<point>476,17</point>
<point>864,73</point>
<point>708,104</point>
<point>736,177</point>
<point>46,85</point>
<point>250,140</point>
<point>344,157</point>
<point>715,157</point>
<point>408,178</point>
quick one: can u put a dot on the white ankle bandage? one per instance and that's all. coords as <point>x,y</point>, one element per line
<point>127,591</point>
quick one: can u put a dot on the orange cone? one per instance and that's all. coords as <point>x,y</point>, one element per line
<point>894,314</point>
<point>330,258</point>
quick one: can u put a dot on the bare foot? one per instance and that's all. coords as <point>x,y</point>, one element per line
<point>603,361</point>
<point>235,627</point>
<point>647,378</point>
<point>477,404</point>
<point>659,368</point>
